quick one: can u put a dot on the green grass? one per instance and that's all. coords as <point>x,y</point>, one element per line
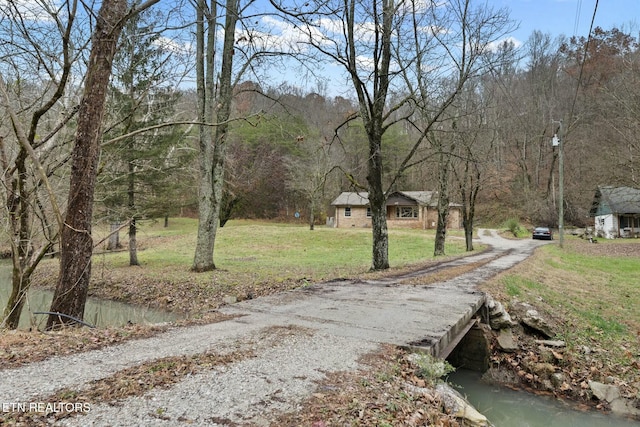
<point>515,285</point>
<point>272,251</point>
<point>596,296</point>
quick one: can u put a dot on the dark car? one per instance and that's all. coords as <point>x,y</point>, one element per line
<point>543,233</point>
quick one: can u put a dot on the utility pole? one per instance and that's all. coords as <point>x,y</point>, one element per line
<point>557,141</point>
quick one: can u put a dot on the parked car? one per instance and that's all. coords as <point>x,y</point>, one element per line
<point>543,233</point>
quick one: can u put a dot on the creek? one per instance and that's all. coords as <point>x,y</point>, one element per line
<point>100,313</point>
<point>505,407</point>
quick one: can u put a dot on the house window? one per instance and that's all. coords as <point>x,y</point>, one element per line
<point>406,212</point>
<point>368,212</point>
<point>347,211</point>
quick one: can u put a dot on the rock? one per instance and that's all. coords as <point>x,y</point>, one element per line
<point>543,370</point>
<point>498,316</point>
<point>230,299</point>
<point>611,395</point>
<point>496,309</point>
<point>605,392</point>
<point>506,341</point>
<point>533,320</point>
<point>502,322</point>
<point>625,408</point>
<point>557,379</point>
<point>455,404</point>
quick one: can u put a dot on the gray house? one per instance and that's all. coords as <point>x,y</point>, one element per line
<point>616,211</point>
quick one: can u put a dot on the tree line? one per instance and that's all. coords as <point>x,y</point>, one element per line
<point>141,110</point>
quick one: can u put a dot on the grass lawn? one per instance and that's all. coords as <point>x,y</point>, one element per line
<point>252,258</point>
<point>270,251</point>
<point>593,293</point>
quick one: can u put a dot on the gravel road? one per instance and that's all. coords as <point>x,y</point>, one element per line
<point>288,354</point>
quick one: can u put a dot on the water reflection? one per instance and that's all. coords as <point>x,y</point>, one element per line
<point>508,408</point>
<point>98,312</point>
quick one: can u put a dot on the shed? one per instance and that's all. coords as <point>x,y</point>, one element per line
<point>616,212</point>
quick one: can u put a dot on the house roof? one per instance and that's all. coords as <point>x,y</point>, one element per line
<point>615,200</point>
<point>350,198</point>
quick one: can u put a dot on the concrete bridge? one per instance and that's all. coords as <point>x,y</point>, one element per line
<point>432,318</point>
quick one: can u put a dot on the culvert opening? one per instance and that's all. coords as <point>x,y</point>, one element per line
<point>473,352</point>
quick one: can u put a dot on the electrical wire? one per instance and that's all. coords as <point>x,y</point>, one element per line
<point>577,18</point>
<point>584,59</point>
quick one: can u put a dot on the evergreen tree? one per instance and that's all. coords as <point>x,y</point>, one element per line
<point>138,178</point>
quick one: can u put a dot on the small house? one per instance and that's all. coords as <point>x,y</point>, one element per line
<point>405,209</point>
<point>616,212</point>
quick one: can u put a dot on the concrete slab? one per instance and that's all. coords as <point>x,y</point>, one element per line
<point>430,317</point>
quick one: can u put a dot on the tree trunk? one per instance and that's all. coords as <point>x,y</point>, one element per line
<point>13,309</point>
<point>441,230</point>
<point>467,223</point>
<point>378,204</point>
<point>312,217</point>
<point>17,207</point>
<point>213,147</point>
<point>76,242</point>
<point>205,84</point>
<point>443,204</point>
<point>114,237</point>
<point>133,245</point>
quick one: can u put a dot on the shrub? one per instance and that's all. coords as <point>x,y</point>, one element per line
<point>430,368</point>
<point>515,228</point>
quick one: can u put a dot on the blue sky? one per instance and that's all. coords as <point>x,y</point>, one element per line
<point>570,17</point>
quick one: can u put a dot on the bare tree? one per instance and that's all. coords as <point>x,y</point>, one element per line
<point>308,174</point>
<point>242,52</point>
<point>402,48</point>
<point>212,142</point>
<point>36,95</point>
<point>456,47</point>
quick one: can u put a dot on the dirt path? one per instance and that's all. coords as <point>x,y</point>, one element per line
<point>281,345</point>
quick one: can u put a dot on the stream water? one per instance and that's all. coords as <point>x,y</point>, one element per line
<point>510,408</point>
<point>100,313</point>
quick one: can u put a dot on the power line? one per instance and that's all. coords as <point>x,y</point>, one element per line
<point>584,59</point>
<point>577,18</point>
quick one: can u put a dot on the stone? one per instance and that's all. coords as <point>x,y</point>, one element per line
<point>455,404</point>
<point>498,316</point>
<point>501,322</point>
<point>533,320</point>
<point>543,370</point>
<point>557,379</point>
<point>605,392</point>
<point>230,299</point>
<point>506,341</point>
<point>497,310</point>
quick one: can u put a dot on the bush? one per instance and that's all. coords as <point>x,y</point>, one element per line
<point>430,368</point>
<point>516,229</point>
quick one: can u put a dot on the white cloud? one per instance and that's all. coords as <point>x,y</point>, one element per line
<point>172,45</point>
<point>33,10</point>
<point>494,46</point>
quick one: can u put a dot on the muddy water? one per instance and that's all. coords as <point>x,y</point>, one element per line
<point>508,408</point>
<point>100,313</point>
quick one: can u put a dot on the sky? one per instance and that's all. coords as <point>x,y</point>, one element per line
<point>554,17</point>
<point>570,17</point>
